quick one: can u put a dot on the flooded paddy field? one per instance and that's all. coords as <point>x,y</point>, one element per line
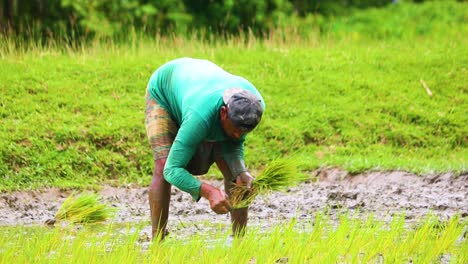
<point>382,194</point>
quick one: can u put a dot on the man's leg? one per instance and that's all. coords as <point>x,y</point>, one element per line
<point>161,131</point>
<point>238,216</point>
<point>159,198</point>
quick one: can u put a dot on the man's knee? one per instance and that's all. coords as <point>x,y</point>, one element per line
<point>158,175</point>
<point>159,167</point>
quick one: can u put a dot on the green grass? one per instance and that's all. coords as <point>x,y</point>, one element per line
<point>401,21</point>
<point>319,241</point>
<point>73,116</point>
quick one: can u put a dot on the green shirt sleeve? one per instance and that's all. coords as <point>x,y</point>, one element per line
<point>233,153</point>
<point>191,133</point>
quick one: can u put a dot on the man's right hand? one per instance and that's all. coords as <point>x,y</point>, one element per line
<point>218,199</point>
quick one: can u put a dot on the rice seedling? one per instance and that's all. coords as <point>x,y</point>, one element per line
<point>353,239</point>
<point>84,208</point>
<point>277,176</point>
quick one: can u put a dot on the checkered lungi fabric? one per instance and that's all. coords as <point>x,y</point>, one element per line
<point>160,128</point>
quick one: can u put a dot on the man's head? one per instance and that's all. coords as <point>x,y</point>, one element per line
<point>241,113</point>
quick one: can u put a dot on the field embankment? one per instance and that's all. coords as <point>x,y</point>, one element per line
<point>73,115</point>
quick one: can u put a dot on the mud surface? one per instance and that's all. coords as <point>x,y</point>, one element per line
<point>381,193</point>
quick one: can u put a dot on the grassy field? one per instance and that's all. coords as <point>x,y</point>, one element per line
<point>341,92</point>
<point>72,116</point>
<point>352,241</point>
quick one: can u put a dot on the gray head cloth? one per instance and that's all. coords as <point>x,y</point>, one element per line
<point>244,108</point>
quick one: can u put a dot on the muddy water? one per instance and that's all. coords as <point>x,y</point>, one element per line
<point>381,193</point>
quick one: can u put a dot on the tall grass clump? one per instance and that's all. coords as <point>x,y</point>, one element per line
<point>84,208</point>
<point>277,176</point>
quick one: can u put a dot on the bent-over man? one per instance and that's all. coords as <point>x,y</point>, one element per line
<point>198,114</point>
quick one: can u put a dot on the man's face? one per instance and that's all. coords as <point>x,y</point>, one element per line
<point>229,128</point>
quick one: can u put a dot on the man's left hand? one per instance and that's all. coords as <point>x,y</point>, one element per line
<point>245,178</point>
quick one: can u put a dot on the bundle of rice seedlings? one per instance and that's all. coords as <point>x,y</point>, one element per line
<point>84,208</point>
<point>277,176</point>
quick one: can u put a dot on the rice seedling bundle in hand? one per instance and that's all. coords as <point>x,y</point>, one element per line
<point>84,208</point>
<point>277,176</point>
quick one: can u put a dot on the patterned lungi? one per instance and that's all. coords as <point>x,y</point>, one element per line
<point>161,130</point>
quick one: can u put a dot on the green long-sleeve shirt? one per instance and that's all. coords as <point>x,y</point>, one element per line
<point>191,91</point>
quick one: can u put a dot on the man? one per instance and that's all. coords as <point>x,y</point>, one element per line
<point>198,114</point>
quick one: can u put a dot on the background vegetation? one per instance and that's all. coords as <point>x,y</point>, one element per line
<point>78,18</point>
<point>341,91</point>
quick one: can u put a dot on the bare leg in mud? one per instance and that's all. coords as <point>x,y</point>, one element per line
<point>159,198</point>
<point>160,194</point>
<point>238,216</point>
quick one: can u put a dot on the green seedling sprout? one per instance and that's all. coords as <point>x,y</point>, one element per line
<point>84,208</point>
<point>277,176</point>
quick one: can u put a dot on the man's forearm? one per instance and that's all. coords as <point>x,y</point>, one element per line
<point>182,179</point>
<point>236,167</point>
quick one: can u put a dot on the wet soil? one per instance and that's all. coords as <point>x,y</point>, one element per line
<point>382,193</point>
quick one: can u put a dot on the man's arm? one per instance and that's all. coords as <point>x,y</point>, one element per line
<point>233,152</point>
<point>191,133</point>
